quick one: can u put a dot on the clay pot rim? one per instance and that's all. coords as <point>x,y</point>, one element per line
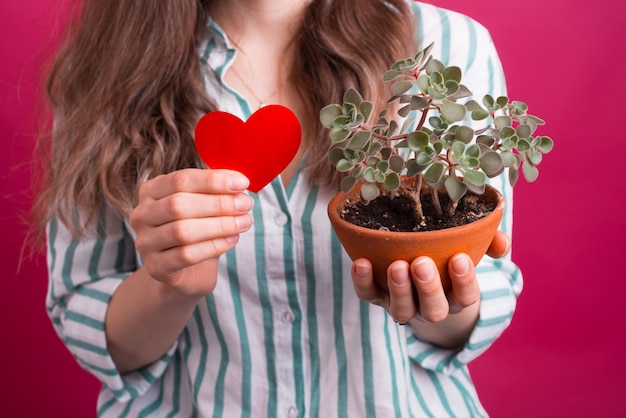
<point>335,204</point>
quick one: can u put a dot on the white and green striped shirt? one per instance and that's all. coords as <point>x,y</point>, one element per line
<point>283,334</point>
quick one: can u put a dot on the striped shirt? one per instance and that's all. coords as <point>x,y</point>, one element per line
<point>283,334</point>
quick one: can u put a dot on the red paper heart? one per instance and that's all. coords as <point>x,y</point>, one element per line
<point>260,148</point>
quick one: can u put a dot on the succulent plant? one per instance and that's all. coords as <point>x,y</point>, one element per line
<point>433,145</point>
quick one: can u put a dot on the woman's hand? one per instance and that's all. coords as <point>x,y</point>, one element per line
<point>444,319</point>
<point>185,220</point>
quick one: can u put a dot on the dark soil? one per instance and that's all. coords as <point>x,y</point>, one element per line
<point>397,214</point>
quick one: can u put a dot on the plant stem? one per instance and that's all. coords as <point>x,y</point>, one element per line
<point>452,208</point>
<point>415,195</point>
<point>422,121</point>
<point>436,203</point>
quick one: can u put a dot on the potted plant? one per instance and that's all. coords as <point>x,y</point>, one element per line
<point>429,172</point>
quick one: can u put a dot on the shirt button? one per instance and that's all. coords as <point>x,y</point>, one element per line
<point>292,412</point>
<point>288,317</point>
<point>281,219</point>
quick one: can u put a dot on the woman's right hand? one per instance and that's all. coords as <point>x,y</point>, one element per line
<point>185,220</point>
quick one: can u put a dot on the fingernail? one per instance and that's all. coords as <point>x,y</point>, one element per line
<point>243,222</point>
<point>232,239</point>
<point>361,269</point>
<point>424,270</point>
<point>399,275</point>
<point>237,183</point>
<point>243,203</point>
<point>461,265</point>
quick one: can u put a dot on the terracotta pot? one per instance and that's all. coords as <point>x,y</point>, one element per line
<point>384,247</point>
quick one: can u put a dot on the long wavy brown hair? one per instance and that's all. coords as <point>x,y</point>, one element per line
<point>126,90</point>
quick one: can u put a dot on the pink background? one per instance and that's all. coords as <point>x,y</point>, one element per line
<point>564,353</point>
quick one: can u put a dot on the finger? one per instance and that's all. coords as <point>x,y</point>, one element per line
<point>165,265</point>
<point>402,305</point>
<point>500,245</point>
<point>194,181</point>
<point>465,290</point>
<point>364,286</point>
<point>432,299</point>
<point>191,231</point>
<point>194,205</point>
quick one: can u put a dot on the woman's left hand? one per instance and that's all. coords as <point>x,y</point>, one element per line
<point>445,319</point>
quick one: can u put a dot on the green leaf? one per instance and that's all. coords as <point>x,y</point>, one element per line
<point>535,157</point>
<point>519,108</point>
<point>366,109</point>
<point>335,155</point>
<point>435,93</point>
<point>418,103</point>
<point>425,53</point>
<point>546,144</point>
<point>472,105</point>
<point>435,122</point>
<point>417,140</point>
<point>513,176</point>
<point>462,92</point>
<point>372,161</point>
<point>508,158</point>
<point>486,140</point>
<point>368,174</point>
<point>464,134</point>
<point>423,82</point>
<point>502,101</point>
<point>458,149</point>
<point>452,112</point>
<point>406,126</point>
<point>404,111</point>
<point>452,73</point>
<point>475,181</point>
<point>491,163</point>
<point>413,168</point>
<point>369,192</point>
<point>456,189</point>
<point>473,151</point>
<point>396,163</point>
<point>488,101</point>
<point>433,66</point>
<point>530,172</point>
<point>452,87</point>
<point>383,166</point>
<point>347,183</point>
<point>352,96</point>
<point>507,132</point>
<point>424,158</point>
<point>344,166</point>
<point>339,134</point>
<point>392,181</point>
<point>328,115</point>
<point>341,121</point>
<point>435,174</point>
<point>392,75</point>
<point>359,140</point>
<point>524,131</point>
<point>502,122</point>
<point>401,87</point>
<point>523,145</point>
<point>479,114</point>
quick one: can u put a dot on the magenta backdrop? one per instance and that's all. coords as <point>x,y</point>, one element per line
<point>563,355</point>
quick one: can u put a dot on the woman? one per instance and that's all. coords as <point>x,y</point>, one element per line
<point>188,296</point>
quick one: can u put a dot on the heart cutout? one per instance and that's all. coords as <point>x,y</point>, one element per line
<point>260,148</point>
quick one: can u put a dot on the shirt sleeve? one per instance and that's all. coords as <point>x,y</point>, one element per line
<point>84,274</point>
<point>461,41</point>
